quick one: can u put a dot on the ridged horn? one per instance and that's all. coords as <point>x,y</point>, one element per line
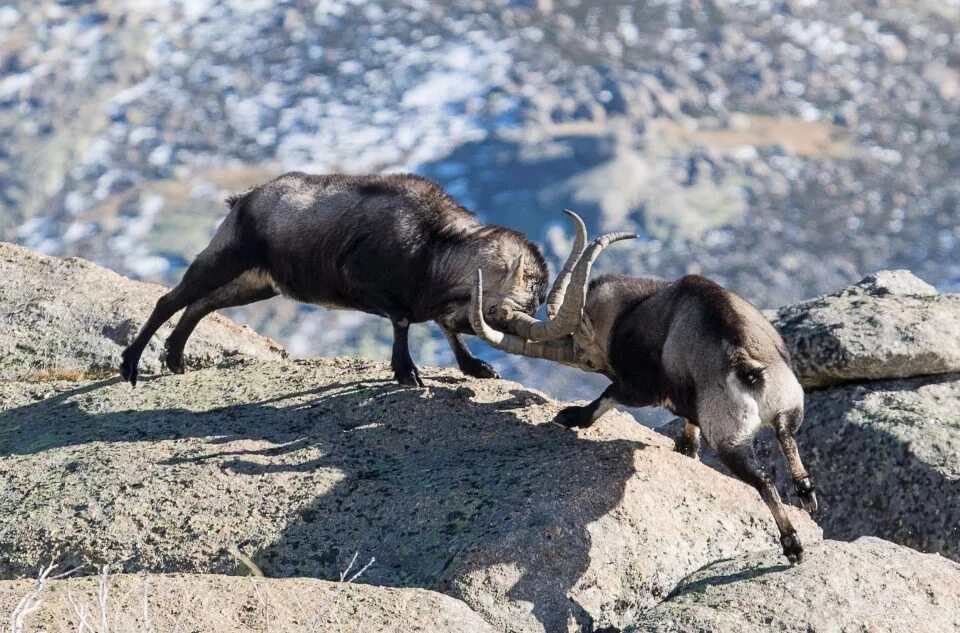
<point>559,289</point>
<point>570,311</point>
<point>557,350</point>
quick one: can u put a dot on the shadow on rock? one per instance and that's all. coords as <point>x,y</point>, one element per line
<point>441,487</point>
<point>724,579</point>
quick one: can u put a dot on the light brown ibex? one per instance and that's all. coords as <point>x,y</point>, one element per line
<point>688,345</point>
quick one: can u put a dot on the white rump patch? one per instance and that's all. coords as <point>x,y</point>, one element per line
<point>729,416</point>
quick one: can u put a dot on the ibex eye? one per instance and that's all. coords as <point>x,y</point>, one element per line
<point>492,311</point>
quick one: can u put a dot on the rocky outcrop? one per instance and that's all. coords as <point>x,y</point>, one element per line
<point>889,325</point>
<point>884,456</point>
<point>70,317</point>
<point>228,604</point>
<point>464,487</point>
<point>867,585</point>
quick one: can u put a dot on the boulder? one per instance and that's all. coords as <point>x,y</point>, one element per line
<point>72,318</point>
<point>868,585</point>
<point>228,604</point>
<point>889,325</point>
<point>463,487</point>
<point>885,456</point>
<point>884,459</point>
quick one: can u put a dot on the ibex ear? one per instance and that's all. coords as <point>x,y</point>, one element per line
<point>514,278</point>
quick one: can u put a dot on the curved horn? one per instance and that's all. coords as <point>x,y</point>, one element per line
<point>571,310</point>
<point>559,289</point>
<point>558,350</point>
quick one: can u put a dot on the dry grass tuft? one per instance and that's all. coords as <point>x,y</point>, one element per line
<point>125,604</point>
<point>32,602</point>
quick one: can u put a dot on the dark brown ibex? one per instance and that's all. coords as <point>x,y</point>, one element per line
<point>689,345</point>
<point>395,246</point>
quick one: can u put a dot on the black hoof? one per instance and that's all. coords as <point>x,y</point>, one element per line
<point>409,379</point>
<point>128,367</point>
<point>806,492</point>
<point>574,417</point>
<point>174,363</point>
<point>809,503</point>
<point>479,369</point>
<point>173,359</point>
<point>792,548</point>
<point>685,446</point>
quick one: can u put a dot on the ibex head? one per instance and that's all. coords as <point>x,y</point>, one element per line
<point>519,333</point>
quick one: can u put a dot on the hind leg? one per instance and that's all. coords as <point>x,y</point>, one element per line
<point>213,268</point>
<point>729,419</point>
<point>404,370</point>
<point>742,462</point>
<point>249,287</point>
<point>688,442</point>
<point>786,426</point>
<point>467,362</point>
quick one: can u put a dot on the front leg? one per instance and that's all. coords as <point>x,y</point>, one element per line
<point>467,362</point>
<point>404,370</point>
<point>584,417</point>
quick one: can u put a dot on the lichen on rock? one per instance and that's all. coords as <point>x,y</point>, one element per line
<point>889,325</point>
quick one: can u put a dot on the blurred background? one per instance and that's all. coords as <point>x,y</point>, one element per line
<point>783,148</point>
